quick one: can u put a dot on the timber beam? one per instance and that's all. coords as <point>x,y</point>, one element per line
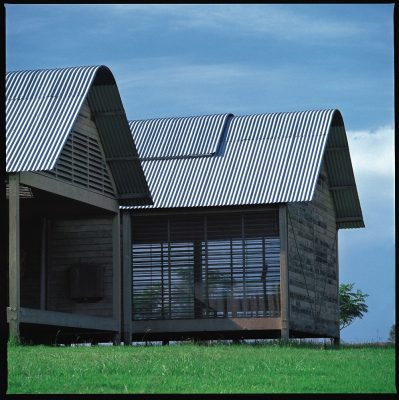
<point>68,190</point>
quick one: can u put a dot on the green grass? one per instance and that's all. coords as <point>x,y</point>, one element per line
<point>190,368</point>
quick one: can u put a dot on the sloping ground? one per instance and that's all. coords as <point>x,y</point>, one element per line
<point>192,368</point>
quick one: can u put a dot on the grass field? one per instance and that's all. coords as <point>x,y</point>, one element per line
<point>190,368</point>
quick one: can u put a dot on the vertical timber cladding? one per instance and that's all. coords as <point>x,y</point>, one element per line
<point>313,264</point>
<point>206,265</point>
<point>73,242</point>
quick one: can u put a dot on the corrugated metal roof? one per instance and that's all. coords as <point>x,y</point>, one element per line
<point>178,137</point>
<point>261,159</point>
<point>342,179</point>
<point>41,108</point>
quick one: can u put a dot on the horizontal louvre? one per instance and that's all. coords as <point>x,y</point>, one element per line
<point>206,266</point>
<point>82,162</point>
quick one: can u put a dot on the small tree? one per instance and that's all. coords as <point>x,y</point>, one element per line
<point>352,305</point>
<point>392,334</point>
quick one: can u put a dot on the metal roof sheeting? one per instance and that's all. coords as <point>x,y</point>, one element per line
<point>177,137</point>
<point>41,108</point>
<point>261,159</point>
<point>342,179</point>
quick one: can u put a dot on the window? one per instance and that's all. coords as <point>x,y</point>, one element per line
<point>206,266</point>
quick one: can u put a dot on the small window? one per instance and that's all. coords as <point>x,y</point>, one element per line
<point>86,283</point>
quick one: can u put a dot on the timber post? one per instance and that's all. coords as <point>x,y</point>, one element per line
<point>43,265</point>
<point>285,329</point>
<point>337,340</point>
<point>127,277</point>
<point>14,257</point>
<point>116,262</point>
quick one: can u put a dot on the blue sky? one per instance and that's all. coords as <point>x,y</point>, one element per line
<point>181,60</point>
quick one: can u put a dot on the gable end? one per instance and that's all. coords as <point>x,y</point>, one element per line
<point>82,160</point>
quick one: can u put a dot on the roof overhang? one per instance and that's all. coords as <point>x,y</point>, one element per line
<point>118,144</point>
<point>41,109</point>
<point>262,159</point>
<point>341,177</point>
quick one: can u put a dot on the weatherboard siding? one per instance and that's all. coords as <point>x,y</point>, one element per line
<point>312,263</point>
<point>74,241</point>
<point>30,263</point>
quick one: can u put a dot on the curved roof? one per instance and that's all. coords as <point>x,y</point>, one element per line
<point>260,159</point>
<point>177,137</point>
<point>41,108</point>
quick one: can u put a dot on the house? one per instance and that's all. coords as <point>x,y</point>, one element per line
<point>216,226</point>
<point>241,240</point>
<point>71,162</point>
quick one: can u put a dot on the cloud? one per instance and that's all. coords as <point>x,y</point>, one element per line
<point>294,23</point>
<point>372,152</point>
<point>373,160</point>
<point>167,84</point>
<point>367,256</point>
<point>172,73</point>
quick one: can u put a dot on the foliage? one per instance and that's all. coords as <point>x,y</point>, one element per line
<point>392,334</point>
<point>150,301</point>
<point>352,304</point>
<point>189,368</point>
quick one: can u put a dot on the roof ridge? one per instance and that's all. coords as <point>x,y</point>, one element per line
<point>177,118</point>
<point>234,116</point>
<point>53,69</point>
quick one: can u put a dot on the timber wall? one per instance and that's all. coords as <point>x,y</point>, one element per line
<point>313,264</point>
<point>81,241</point>
<point>30,262</point>
<point>78,241</point>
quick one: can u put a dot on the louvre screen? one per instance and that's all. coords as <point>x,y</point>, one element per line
<point>82,160</point>
<point>206,266</point>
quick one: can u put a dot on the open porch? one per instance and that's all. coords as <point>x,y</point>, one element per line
<point>64,258</point>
